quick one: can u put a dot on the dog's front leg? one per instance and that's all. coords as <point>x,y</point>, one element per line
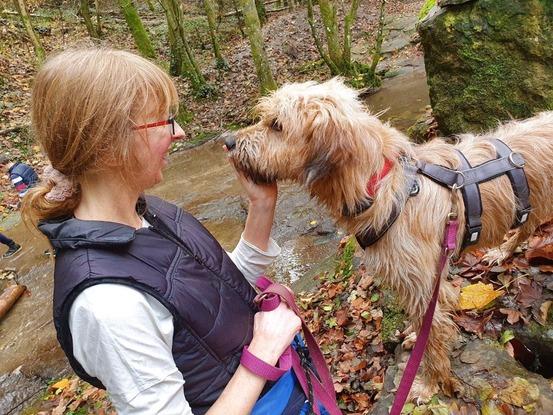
<point>436,366</point>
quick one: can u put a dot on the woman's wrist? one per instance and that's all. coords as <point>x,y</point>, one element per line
<point>262,203</point>
<point>264,351</point>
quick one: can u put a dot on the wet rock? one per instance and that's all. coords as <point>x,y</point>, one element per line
<point>494,376</point>
<point>16,389</point>
<point>488,60</point>
<point>492,381</point>
<point>538,340</point>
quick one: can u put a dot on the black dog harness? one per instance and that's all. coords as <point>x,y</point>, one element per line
<point>467,180</point>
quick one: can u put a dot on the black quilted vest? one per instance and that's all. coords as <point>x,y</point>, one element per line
<point>210,300</point>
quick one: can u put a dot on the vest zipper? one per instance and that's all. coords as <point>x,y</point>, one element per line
<point>169,235</point>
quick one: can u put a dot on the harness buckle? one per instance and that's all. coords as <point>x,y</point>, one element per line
<point>518,164</point>
<point>522,216</point>
<point>456,185</point>
<point>473,234</point>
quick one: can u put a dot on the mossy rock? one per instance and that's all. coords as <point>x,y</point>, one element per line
<point>393,320</point>
<point>426,7</point>
<point>487,61</point>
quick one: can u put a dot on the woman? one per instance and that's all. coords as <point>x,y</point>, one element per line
<point>146,302</point>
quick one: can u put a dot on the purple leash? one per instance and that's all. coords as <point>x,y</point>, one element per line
<point>448,246</point>
<point>321,382</point>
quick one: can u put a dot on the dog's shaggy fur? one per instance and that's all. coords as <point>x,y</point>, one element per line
<point>320,135</point>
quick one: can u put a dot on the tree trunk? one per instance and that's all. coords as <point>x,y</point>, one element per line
<point>180,49</point>
<point>349,19</point>
<point>22,10</point>
<point>209,6</point>
<point>85,13</point>
<point>379,39</point>
<point>175,61</point>
<point>239,17</point>
<point>141,38</point>
<point>334,70</point>
<point>330,23</point>
<point>98,20</point>
<point>151,5</point>
<point>261,12</point>
<point>255,36</point>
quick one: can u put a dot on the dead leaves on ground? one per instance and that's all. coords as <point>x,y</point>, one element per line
<point>514,293</point>
<point>345,316</point>
<point>74,396</point>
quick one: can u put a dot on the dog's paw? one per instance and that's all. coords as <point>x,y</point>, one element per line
<point>453,387</point>
<point>409,342</point>
<point>495,256</point>
<point>422,392</point>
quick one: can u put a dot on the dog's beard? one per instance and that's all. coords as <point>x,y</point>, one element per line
<point>253,174</point>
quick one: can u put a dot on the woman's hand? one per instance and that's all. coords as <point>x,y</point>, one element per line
<point>264,195</point>
<point>261,213</point>
<point>273,332</point>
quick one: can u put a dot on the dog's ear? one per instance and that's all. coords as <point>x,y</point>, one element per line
<point>330,139</point>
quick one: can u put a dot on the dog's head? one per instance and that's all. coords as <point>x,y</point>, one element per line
<point>306,133</point>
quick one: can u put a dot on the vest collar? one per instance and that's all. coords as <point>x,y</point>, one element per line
<point>72,233</point>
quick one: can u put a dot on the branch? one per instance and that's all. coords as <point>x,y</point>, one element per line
<point>14,129</point>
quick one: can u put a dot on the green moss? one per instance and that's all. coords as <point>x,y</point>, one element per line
<point>392,320</point>
<point>488,61</point>
<point>344,266</point>
<point>184,116</point>
<point>426,7</point>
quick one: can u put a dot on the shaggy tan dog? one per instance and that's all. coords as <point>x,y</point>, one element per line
<point>320,135</point>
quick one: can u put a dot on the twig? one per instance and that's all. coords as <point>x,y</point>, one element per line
<point>14,129</point>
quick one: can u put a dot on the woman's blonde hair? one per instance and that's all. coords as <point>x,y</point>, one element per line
<point>85,103</point>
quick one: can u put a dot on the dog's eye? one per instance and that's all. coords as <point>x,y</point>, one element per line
<point>276,125</point>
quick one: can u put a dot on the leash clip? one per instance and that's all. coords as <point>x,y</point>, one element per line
<point>453,211</point>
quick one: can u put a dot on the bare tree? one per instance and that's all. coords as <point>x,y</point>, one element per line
<point>183,61</point>
<point>337,54</point>
<point>21,8</point>
<point>85,13</point>
<point>255,36</point>
<point>141,38</point>
<point>209,7</point>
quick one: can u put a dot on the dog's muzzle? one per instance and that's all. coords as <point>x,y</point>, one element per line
<point>229,140</point>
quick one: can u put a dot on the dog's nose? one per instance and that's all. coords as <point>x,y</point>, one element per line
<point>230,141</point>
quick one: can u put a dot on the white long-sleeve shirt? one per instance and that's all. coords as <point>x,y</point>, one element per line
<point>124,337</point>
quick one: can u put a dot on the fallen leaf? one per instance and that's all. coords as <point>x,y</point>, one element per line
<point>478,296</point>
<point>513,316</point>
<point>62,384</point>
<point>544,311</point>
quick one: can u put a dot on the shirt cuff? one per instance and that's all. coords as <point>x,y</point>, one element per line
<point>253,261</point>
<point>273,250</point>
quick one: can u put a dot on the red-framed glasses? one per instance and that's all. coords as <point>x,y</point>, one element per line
<point>170,121</point>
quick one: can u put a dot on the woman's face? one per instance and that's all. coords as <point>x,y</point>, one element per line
<point>154,143</point>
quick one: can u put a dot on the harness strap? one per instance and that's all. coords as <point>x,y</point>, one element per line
<point>473,206</point>
<point>467,179</point>
<point>519,184</point>
<point>479,174</point>
<point>371,236</point>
